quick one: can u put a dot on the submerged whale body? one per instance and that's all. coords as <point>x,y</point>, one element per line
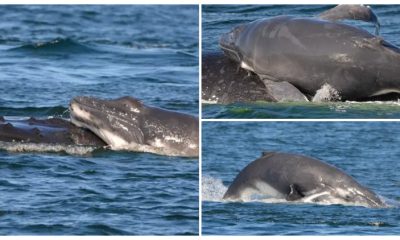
<point>128,124</point>
<point>299,178</point>
<point>51,131</point>
<point>224,81</point>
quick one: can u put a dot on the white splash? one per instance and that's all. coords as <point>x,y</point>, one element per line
<point>204,101</point>
<point>326,94</point>
<point>212,189</point>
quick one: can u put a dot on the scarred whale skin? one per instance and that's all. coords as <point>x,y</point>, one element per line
<point>128,124</point>
<point>52,130</point>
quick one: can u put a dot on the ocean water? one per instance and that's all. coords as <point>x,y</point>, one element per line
<point>368,151</point>
<point>50,54</point>
<point>219,19</point>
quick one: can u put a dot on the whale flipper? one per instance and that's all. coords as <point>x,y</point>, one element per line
<point>294,193</point>
<point>284,91</point>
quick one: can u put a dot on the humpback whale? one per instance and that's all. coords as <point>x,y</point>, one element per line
<point>296,72</point>
<point>296,177</point>
<point>224,81</point>
<point>120,124</point>
<point>128,124</point>
<point>311,53</point>
<point>52,131</point>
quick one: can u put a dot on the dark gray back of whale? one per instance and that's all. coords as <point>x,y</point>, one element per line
<point>295,177</point>
<point>224,81</point>
<point>128,124</point>
<point>310,53</point>
<point>54,131</point>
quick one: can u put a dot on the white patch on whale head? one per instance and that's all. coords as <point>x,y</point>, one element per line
<point>326,94</point>
<point>79,112</point>
<point>341,58</point>
<point>115,141</point>
<point>136,110</point>
<point>245,66</point>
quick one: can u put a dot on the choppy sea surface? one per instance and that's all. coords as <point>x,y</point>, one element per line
<point>50,54</point>
<point>367,151</point>
<point>219,19</point>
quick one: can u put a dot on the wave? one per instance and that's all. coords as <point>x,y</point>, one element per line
<point>213,190</point>
<point>58,45</point>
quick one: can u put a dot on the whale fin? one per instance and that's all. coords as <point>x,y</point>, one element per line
<point>267,154</point>
<point>352,12</point>
<point>294,193</point>
<point>284,91</point>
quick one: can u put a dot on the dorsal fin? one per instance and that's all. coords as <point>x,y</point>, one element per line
<point>267,154</point>
<point>352,12</point>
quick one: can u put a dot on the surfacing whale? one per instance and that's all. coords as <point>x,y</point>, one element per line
<point>310,53</point>
<point>299,178</point>
<point>128,124</point>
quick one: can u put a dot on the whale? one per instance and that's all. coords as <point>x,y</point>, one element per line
<point>50,131</point>
<point>352,12</point>
<point>128,124</point>
<point>300,178</point>
<point>225,82</point>
<point>312,53</point>
<point>317,53</point>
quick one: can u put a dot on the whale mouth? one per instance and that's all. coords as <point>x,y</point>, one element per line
<point>114,121</point>
<point>227,43</point>
<point>82,111</point>
<point>84,114</point>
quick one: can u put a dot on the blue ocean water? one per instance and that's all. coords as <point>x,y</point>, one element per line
<point>368,151</point>
<point>50,54</point>
<point>219,19</point>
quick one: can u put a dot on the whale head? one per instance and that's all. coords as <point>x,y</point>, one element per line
<point>114,121</point>
<point>359,195</point>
